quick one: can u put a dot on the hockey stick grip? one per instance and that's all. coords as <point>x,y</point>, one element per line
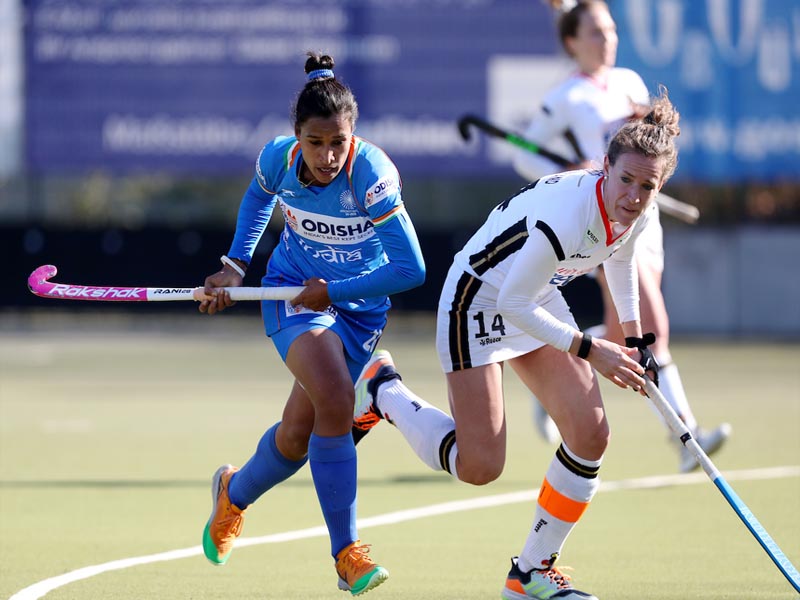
<point>677,426</point>
<point>263,293</point>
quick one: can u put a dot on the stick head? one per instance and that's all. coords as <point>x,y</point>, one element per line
<point>39,278</point>
<point>463,127</point>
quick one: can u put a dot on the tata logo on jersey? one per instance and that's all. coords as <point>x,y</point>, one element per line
<point>382,189</point>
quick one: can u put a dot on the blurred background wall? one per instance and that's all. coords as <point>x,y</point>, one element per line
<point>129,131</point>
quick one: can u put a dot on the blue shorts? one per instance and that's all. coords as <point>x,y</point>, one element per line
<point>360,332</point>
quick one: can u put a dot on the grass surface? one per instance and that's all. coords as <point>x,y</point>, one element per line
<point>110,431</point>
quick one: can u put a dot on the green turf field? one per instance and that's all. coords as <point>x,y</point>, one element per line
<point>111,429</point>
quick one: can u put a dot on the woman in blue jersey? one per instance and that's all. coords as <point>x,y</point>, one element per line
<point>348,239</point>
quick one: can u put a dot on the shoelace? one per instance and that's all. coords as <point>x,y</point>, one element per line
<point>231,523</point>
<point>562,580</point>
<point>355,558</point>
<point>368,420</point>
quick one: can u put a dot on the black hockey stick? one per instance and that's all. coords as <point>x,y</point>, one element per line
<point>467,121</point>
<point>669,205</point>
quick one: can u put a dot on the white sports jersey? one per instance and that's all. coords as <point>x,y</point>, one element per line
<point>577,120</point>
<point>579,117</point>
<point>550,232</point>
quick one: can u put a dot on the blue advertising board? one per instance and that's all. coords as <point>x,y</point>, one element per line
<point>732,68</point>
<point>198,86</point>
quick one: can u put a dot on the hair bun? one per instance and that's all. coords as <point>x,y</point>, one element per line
<point>318,62</point>
<point>663,114</point>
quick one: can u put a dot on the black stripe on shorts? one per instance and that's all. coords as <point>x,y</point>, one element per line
<point>458,334</point>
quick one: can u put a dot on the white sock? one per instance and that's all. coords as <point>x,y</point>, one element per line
<point>671,386</point>
<point>423,425</point>
<point>569,485</point>
<point>451,458</point>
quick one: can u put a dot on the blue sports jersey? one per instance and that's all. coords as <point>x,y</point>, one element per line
<point>354,233</point>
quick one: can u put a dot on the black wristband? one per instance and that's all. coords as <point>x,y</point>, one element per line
<point>586,345</point>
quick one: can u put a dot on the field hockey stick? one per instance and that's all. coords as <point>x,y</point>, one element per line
<point>679,428</point>
<point>39,283</point>
<point>467,121</point>
<point>669,205</point>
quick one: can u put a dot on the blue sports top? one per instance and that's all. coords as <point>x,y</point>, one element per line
<point>354,233</point>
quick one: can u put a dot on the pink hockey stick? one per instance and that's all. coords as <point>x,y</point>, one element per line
<point>39,283</point>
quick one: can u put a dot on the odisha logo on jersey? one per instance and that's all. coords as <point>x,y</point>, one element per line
<point>346,200</point>
<point>381,189</point>
<point>334,229</point>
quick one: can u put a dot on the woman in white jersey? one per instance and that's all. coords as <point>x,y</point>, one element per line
<point>501,303</point>
<point>577,118</point>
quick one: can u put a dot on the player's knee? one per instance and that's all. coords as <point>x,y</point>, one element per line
<point>597,440</point>
<point>336,408</point>
<point>480,471</point>
<point>588,441</point>
<point>293,439</point>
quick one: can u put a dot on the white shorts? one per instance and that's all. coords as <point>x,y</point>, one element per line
<point>470,332</point>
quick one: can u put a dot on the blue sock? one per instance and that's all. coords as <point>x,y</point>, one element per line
<point>333,467</point>
<point>265,469</point>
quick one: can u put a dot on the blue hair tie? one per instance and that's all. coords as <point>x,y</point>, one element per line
<point>320,74</point>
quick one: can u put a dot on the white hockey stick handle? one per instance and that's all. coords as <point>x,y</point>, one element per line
<point>688,213</point>
<point>237,294</point>
<point>678,427</point>
<point>263,293</point>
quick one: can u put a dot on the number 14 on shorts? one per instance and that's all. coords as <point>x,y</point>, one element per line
<point>496,327</point>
